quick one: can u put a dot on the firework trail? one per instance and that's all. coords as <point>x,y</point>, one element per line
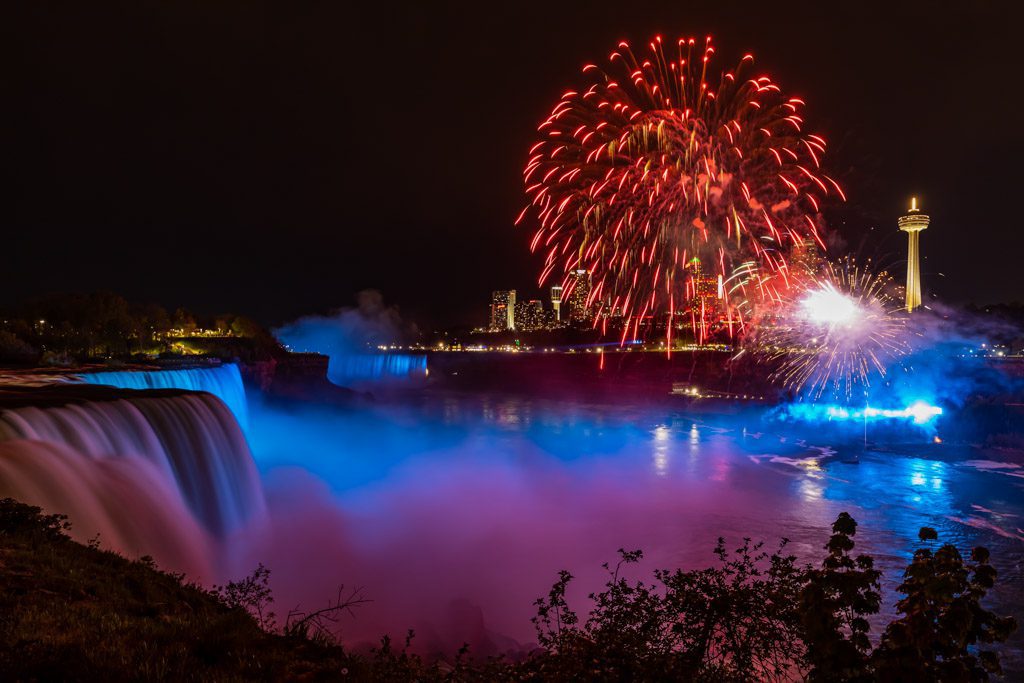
<point>835,331</point>
<point>637,174</point>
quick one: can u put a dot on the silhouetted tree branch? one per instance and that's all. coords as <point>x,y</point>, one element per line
<point>317,624</point>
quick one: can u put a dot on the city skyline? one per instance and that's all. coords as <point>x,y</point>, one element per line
<point>704,305</point>
<point>508,311</point>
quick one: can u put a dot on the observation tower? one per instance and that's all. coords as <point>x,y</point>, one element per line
<point>912,224</point>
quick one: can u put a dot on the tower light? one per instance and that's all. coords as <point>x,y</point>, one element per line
<point>912,224</point>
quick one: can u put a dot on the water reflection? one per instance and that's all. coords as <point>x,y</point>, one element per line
<point>810,490</point>
<point>479,492</point>
<point>662,445</point>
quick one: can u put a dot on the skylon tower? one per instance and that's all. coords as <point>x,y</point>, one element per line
<point>912,224</point>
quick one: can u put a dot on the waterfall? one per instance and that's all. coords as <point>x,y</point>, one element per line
<point>360,369</point>
<point>127,502</point>
<point>191,441</point>
<point>224,382</point>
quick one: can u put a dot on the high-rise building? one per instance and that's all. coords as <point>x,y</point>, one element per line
<point>806,259</point>
<point>704,297</point>
<point>529,315</point>
<point>608,310</point>
<point>556,301</point>
<point>503,310</point>
<point>912,224</point>
<point>578,309</point>
<point>702,290</point>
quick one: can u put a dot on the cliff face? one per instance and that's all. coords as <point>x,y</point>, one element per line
<point>297,377</point>
<point>288,369</point>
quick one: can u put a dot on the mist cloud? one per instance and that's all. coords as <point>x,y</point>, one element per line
<point>348,330</point>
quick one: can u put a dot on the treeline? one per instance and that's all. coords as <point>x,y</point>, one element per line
<point>74,612</point>
<point>67,327</point>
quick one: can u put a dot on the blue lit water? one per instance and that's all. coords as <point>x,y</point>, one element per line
<point>376,368</point>
<point>534,485</point>
<point>224,381</point>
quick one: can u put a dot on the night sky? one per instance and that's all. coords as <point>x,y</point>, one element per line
<point>274,158</point>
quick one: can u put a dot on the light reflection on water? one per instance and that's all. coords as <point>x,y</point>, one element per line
<point>545,485</point>
<point>662,449</point>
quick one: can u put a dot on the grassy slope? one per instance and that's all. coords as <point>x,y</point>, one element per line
<point>72,612</point>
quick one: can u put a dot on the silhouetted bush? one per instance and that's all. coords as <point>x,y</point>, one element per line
<point>943,626</point>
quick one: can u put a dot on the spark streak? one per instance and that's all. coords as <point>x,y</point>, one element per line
<point>629,174</point>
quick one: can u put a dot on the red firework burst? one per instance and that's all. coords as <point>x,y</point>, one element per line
<point>634,177</point>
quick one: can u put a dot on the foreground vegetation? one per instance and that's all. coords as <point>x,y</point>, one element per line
<point>75,612</point>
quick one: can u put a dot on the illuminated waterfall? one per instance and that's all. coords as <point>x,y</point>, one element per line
<point>126,503</point>
<point>191,441</point>
<point>166,476</point>
<point>224,382</point>
<point>361,369</point>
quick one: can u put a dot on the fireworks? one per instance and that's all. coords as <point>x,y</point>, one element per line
<point>637,174</point>
<point>835,331</point>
